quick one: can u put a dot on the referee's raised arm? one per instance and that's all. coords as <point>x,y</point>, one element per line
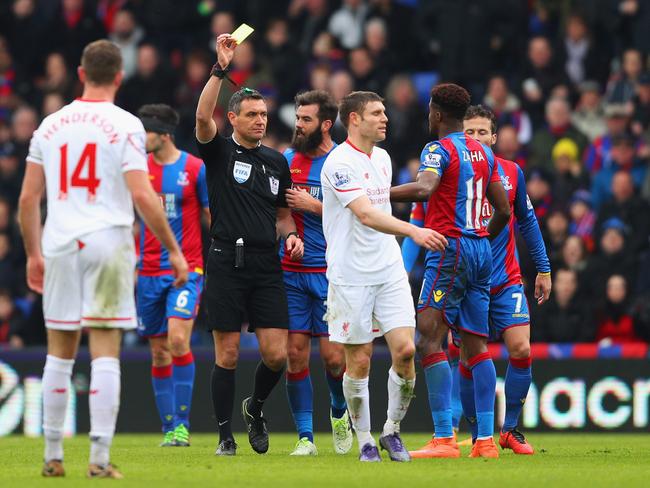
<point>206,128</point>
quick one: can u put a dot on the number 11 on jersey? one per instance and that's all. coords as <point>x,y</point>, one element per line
<point>90,182</point>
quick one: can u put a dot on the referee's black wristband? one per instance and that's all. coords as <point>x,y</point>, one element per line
<point>221,73</point>
<point>294,233</point>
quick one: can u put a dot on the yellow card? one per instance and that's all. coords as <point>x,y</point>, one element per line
<point>242,32</point>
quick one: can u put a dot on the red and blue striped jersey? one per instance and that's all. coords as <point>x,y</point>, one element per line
<point>505,257</point>
<point>466,168</point>
<point>183,193</point>
<point>305,174</point>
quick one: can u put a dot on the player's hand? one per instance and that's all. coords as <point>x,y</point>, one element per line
<point>294,247</point>
<point>179,265</point>
<point>225,49</point>
<point>542,288</point>
<point>35,273</point>
<point>300,200</point>
<point>430,239</point>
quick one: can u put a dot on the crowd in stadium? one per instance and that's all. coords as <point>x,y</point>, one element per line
<point>568,80</point>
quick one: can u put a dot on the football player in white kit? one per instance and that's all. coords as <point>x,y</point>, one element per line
<point>369,293</point>
<point>90,159</point>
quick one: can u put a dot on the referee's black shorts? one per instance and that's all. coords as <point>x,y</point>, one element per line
<point>256,290</point>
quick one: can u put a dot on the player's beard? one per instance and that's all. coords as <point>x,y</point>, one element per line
<point>306,143</point>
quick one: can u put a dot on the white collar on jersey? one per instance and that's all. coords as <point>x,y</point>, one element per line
<point>259,143</point>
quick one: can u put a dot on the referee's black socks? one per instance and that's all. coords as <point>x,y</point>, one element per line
<point>265,381</point>
<point>223,397</point>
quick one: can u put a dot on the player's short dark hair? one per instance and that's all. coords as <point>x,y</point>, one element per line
<point>101,60</point>
<point>453,100</point>
<point>327,109</point>
<point>159,117</point>
<point>483,112</point>
<point>234,104</point>
<point>356,102</point>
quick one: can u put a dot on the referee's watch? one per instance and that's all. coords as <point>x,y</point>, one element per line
<point>294,233</point>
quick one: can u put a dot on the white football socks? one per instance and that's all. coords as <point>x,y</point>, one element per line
<point>400,392</point>
<point>56,390</point>
<point>104,400</point>
<point>357,397</point>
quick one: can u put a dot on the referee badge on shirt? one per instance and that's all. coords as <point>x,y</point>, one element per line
<point>241,171</point>
<point>275,184</point>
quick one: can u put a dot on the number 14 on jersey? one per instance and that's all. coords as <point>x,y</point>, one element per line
<point>87,159</point>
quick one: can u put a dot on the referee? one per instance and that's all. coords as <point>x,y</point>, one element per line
<point>246,184</point>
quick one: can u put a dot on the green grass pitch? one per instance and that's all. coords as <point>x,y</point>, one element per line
<point>562,460</point>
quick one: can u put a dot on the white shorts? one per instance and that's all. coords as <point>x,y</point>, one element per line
<point>93,286</point>
<point>358,314</point>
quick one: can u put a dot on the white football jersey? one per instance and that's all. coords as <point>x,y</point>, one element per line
<point>357,254</point>
<point>85,148</point>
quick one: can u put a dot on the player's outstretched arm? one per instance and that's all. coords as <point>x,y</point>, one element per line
<point>29,218</point>
<point>498,198</point>
<point>285,225</point>
<point>383,222</point>
<point>149,207</point>
<point>418,191</point>
<point>206,128</point>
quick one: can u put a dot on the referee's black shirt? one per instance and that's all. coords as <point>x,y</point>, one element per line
<point>245,187</point>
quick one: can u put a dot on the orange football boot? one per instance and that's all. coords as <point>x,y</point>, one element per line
<point>484,448</point>
<point>445,447</point>
<point>515,440</point>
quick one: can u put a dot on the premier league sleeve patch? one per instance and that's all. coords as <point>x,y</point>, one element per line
<point>274,183</point>
<point>432,160</point>
<point>241,171</point>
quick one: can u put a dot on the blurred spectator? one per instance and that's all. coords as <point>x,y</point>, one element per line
<point>283,58</point>
<point>508,146</point>
<point>583,218</point>
<point>23,124</point>
<point>396,17</point>
<point>540,77</point>
<point>221,23</point>
<point>319,78</point>
<point>366,75</point>
<point>623,159</point>
<point>73,28</point>
<point>10,321</point>
<point>407,122</point>
<point>339,85</point>
<point>538,187</point>
<point>152,83</point>
<point>197,70</point>
<point>623,87</point>
<point>346,24</point>
<point>127,34</point>
<point>555,233</point>
<point>632,210</point>
<point>558,118</point>
<point>51,103</point>
<point>598,154</point>
<point>307,18</point>
<point>25,31</point>
<point>613,257</point>
<point>376,42</point>
<point>579,54</point>
<point>614,320</point>
<point>641,114</point>
<point>8,266</point>
<point>589,115</point>
<point>8,98</point>
<point>11,177</point>
<point>573,256</point>
<point>570,174</point>
<point>507,109</point>
<point>565,317</point>
<point>57,77</point>
<point>464,54</point>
